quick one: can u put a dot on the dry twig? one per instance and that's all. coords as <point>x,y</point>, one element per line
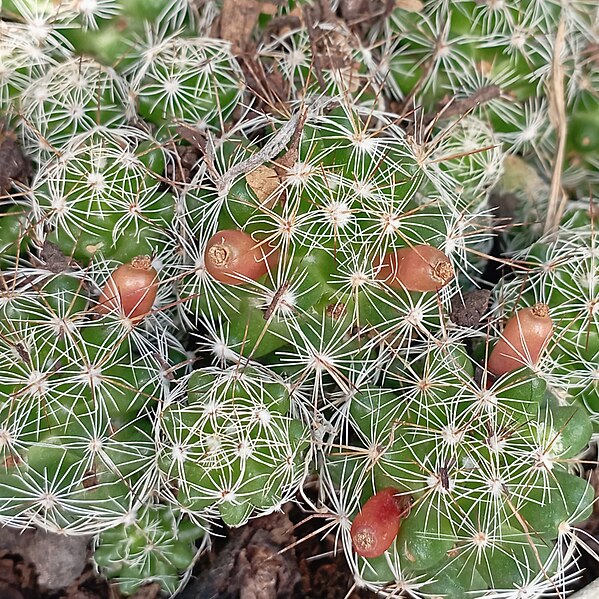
<point>557,114</point>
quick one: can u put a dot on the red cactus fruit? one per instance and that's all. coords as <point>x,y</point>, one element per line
<point>131,289</point>
<point>376,526</point>
<point>234,257</point>
<point>525,336</point>
<point>417,268</point>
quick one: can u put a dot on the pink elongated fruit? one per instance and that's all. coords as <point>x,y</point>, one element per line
<point>525,336</point>
<point>131,289</point>
<point>374,529</point>
<point>417,268</point>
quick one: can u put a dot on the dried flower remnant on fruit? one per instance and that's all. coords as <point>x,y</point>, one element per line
<point>374,529</point>
<point>234,257</point>
<point>219,255</point>
<point>442,272</point>
<point>131,289</point>
<point>525,336</point>
<point>419,268</point>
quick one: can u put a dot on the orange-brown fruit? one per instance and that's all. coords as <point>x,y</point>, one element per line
<point>234,257</point>
<point>417,268</point>
<point>374,529</point>
<point>524,337</point>
<point>131,289</point>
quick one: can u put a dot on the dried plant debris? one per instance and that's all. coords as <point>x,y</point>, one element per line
<point>181,170</point>
<point>251,564</point>
<point>14,165</point>
<point>268,559</point>
<point>237,21</point>
<point>363,14</point>
<point>51,258</point>
<point>263,181</point>
<point>468,310</point>
<point>270,90</point>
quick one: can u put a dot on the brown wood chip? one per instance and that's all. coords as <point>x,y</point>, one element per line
<point>237,21</point>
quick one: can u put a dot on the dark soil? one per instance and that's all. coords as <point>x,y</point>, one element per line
<point>263,560</point>
<point>258,561</point>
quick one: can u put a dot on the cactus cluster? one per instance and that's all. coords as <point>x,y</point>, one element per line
<point>226,276</point>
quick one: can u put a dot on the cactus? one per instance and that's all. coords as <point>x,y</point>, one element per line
<point>229,274</point>
<point>233,445</point>
<point>152,544</point>
<point>475,462</point>
<point>70,98</point>
<point>563,273</point>
<point>100,193</point>
<point>186,79</point>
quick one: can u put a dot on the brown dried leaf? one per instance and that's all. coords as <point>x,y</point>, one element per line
<point>410,5</point>
<point>237,21</point>
<point>263,181</point>
<point>192,135</point>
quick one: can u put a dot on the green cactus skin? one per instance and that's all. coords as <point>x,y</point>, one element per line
<point>486,469</point>
<point>154,544</point>
<point>99,197</point>
<point>379,135</point>
<point>233,445</point>
<point>70,98</point>
<point>188,79</point>
<point>498,56</point>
